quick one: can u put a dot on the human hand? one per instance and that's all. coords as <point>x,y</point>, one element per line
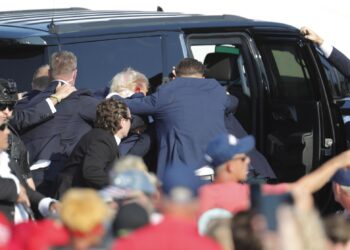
<point>54,207</point>
<point>23,197</point>
<point>64,90</point>
<point>311,35</point>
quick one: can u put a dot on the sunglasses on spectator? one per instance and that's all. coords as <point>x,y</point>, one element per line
<point>243,158</point>
<point>4,106</point>
<point>3,126</point>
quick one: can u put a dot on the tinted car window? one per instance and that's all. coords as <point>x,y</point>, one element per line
<point>99,61</point>
<point>291,76</point>
<point>340,85</point>
<point>19,63</point>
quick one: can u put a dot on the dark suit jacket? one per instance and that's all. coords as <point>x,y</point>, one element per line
<point>26,98</point>
<point>90,161</point>
<point>340,61</point>
<point>258,161</point>
<point>55,138</point>
<point>24,116</point>
<point>188,113</point>
<point>8,197</point>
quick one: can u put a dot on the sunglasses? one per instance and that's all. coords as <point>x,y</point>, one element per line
<point>4,106</point>
<point>243,158</point>
<point>3,126</point>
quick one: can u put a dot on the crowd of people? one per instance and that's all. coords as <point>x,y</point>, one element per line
<point>75,168</point>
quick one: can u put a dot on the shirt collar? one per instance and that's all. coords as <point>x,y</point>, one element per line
<point>117,139</point>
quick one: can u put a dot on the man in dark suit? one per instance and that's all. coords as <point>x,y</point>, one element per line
<point>337,58</point>
<point>50,143</point>
<point>188,112</point>
<point>92,158</point>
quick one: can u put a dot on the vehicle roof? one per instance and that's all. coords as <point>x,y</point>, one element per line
<point>48,22</point>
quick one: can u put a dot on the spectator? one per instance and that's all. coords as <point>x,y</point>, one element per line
<point>341,189</point>
<point>177,230</point>
<point>132,185</point>
<point>227,156</point>
<point>84,215</point>
<point>130,216</point>
<point>17,197</point>
<point>337,228</point>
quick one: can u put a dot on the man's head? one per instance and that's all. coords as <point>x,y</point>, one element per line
<point>190,67</point>
<point>41,78</point>
<point>130,185</point>
<point>180,189</point>
<point>113,116</point>
<point>84,213</point>
<point>341,187</point>
<point>63,66</point>
<point>227,156</point>
<point>8,98</point>
<point>129,81</point>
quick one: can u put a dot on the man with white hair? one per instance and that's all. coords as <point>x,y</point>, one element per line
<point>127,83</point>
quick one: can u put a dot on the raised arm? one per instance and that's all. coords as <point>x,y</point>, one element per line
<point>318,178</point>
<point>337,58</point>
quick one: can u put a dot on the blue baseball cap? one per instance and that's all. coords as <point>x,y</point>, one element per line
<point>134,180</point>
<point>180,182</point>
<point>342,177</point>
<point>224,147</point>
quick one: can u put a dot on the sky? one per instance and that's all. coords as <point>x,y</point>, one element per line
<point>330,19</point>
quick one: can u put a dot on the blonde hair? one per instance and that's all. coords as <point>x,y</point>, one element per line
<point>82,209</point>
<point>129,162</point>
<point>62,63</point>
<point>127,80</point>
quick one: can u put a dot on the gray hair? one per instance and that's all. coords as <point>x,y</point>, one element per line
<point>126,81</point>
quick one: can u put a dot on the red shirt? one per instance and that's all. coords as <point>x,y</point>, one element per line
<point>234,197</point>
<point>171,234</point>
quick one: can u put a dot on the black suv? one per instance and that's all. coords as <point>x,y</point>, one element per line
<point>291,99</point>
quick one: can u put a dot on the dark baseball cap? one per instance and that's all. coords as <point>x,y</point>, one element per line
<point>342,177</point>
<point>180,183</point>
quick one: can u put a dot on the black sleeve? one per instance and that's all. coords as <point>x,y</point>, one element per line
<point>8,190</point>
<point>95,162</point>
<point>340,61</point>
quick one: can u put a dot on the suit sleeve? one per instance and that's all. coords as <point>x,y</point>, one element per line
<point>145,105</point>
<point>34,197</point>
<point>8,190</point>
<point>340,61</point>
<point>24,118</point>
<point>95,162</point>
<point>135,144</point>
